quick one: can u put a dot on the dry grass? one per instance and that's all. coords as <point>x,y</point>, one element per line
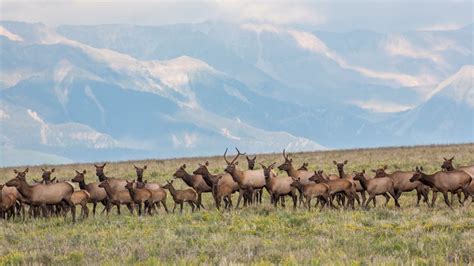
<point>257,235</point>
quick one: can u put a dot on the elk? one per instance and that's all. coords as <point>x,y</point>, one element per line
<point>337,186</point>
<point>358,186</point>
<point>7,204</point>
<point>313,190</point>
<point>181,196</point>
<point>249,181</point>
<point>304,175</point>
<point>81,197</point>
<point>96,194</point>
<point>115,184</point>
<point>195,181</point>
<point>223,186</point>
<point>401,180</point>
<point>43,195</point>
<point>445,182</point>
<point>377,186</point>
<point>251,162</point>
<point>303,167</point>
<point>448,166</point>
<point>141,196</point>
<point>158,193</point>
<point>278,186</point>
<point>117,198</point>
<point>46,176</point>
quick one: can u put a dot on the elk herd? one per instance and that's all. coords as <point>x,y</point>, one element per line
<point>50,197</point>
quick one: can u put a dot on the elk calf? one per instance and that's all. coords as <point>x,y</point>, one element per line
<point>182,196</point>
<point>310,191</point>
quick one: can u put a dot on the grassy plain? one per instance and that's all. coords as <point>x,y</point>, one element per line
<point>256,235</point>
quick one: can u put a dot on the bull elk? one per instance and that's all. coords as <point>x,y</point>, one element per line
<point>249,181</point>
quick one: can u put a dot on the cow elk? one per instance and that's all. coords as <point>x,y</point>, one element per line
<point>117,198</point>
<point>279,187</point>
<point>377,186</point>
<point>195,181</point>
<point>96,194</point>
<point>140,196</point>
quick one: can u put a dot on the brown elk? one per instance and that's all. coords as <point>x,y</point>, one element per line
<point>96,193</point>
<point>181,196</point>
<point>223,185</point>
<point>445,182</point>
<point>81,197</point>
<point>336,187</point>
<point>140,182</point>
<point>249,181</point>
<point>158,193</point>
<point>377,186</point>
<point>117,198</point>
<point>46,176</point>
<point>195,181</point>
<point>358,186</point>
<point>448,166</point>
<point>43,195</point>
<point>402,183</point>
<point>141,196</point>
<point>7,204</point>
<point>115,184</point>
<point>278,187</point>
<point>288,167</point>
<point>313,190</point>
<point>251,162</point>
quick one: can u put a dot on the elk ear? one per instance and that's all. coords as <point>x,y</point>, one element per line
<point>206,163</point>
<point>263,166</point>
<point>84,172</point>
<point>247,157</point>
<point>363,171</point>
<point>42,169</point>
<point>373,170</point>
<point>26,170</point>
<point>15,171</point>
<point>144,167</point>
<point>385,167</point>
<point>135,167</point>
<point>77,172</point>
<point>445,159</point>
<point>291,160</point>
<point>184,166</point>
<point>236,163</point>
<point>345,161</point>
<point>452,158</point>
<point>52,170</point>
<point>334,162</point>
<point>421,168</point>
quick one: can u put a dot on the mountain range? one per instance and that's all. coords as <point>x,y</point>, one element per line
<point>118,92</point>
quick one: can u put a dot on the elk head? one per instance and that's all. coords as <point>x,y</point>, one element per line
<point>317,177</point>
<point>296,182</point>
<point>448,164</point>
<point>340,166</point>
<point>99,171</point>
<point>288,164</point>
<point>21,174</point>
<point>15,182</point>
<point>231,165</point>
<point>140,171</point>
<point>417,175</point>
<point>79,176</point>
<point>129,184</point>
<point>181,172</point>
<point>169,184</point>
<point>380,172</point>
<point>359,175</point>
<point>267,170</point>
<point>202,169</point>
<point>251,161</point>
<point>46,176</point>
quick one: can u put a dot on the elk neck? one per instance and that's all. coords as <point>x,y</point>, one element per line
<point>341,173</point>
<point>363,182</point>
<point>82,184</point>
<point>292,171</point>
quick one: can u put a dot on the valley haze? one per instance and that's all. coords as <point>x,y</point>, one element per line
<point>72,93</point>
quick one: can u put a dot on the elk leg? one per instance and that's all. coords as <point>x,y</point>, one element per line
<point>368,201</point>
<point>446,199</point>
<point>199,199</point>
<point>418,197</point>
<point>387,199</point>
<point>433,199</point>
<point>181,210</point>
<point>362,195</point>
<point>192,205</point>
<point>174,206</point>
<point>163,202</point>
<point>240,197</point>
<point>139,209</point>
<point>459,197</point>
<point>118,208</point>
<point>86,210</point>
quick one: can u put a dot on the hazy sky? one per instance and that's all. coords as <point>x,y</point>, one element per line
<point>346,15</point>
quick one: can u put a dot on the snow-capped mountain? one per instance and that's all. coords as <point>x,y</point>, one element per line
<point>82,93</point>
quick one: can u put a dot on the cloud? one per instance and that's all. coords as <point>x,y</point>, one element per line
<point>273,12</point>
<point>188,140</point>
<point>226,133</point>
<point>9,35</point>
<point>381,107</point>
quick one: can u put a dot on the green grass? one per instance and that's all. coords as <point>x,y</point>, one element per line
<point>262,234</point>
